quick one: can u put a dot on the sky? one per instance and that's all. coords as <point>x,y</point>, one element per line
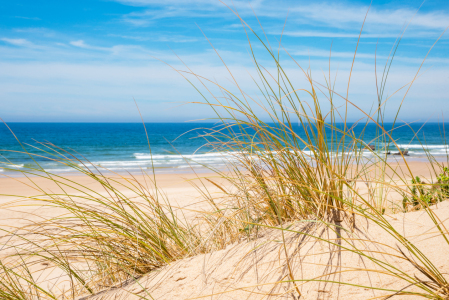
<point>88,60</point>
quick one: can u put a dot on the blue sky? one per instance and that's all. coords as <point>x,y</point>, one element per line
<point>87,60</point>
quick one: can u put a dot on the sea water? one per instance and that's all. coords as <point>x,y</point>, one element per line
<point>166,147</point>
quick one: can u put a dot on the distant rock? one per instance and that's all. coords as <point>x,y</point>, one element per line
<point>403,152</point>
<point>372,147</point>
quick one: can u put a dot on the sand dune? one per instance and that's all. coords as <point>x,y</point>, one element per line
<point>257,268</point>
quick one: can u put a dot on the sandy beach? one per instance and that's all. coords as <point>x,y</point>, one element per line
<point>247,269</point>
<point>181,189</point>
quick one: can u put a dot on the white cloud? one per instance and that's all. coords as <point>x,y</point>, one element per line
<point>315,52</point>
<point>18,42</point>
<point>104,74</point>
<point>36,31</point>
<point>317,14</point>
<point>368,57</point>
<point>83,45</point>
<point>105,91</point>
<point>167,38</point>
<point>177,8</point>
<point>79,43</point>
<point>114,50</point>
<point>302,33</point>
<point>345,15</point>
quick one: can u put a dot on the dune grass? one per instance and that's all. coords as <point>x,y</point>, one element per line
<point>17,282</point>
<point>280,176</point>
<point>122,231</point>
<point>298,163</point>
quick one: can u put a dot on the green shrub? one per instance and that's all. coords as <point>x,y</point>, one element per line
<point>423,194</point>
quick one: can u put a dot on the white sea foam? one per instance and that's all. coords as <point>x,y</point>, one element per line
<point>183,157</point>
<point>12,166</point>
<point>218,159</point>
<point>419,146</point>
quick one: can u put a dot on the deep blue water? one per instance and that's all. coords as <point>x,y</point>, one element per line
<point>124,146</point>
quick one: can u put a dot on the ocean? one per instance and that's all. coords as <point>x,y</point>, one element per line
<point>175,147</point>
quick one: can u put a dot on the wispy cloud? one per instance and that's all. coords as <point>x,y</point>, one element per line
<point>302,33</point>
<point>150,16</point>
<point>318,14</point>
<point>17,42</point>
<point>106,90</point>
<point>341,15</point>
<point>111,58</point>
<point>117,52</point>
<point>175,8</point>
<point>83,45</point>
<point>316,52</point>
<point>162,38</point>
<point>38,31</point>
<point>347,56</point>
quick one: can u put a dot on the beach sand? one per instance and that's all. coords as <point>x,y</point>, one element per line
<point>258,268</point>
<point>181,189</point>
<point>249,269</point>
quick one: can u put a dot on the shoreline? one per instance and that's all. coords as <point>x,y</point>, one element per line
<point>182,169</point>
<point>176,186</point>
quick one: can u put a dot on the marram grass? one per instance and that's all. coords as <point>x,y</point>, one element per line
<point>276,177</point>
